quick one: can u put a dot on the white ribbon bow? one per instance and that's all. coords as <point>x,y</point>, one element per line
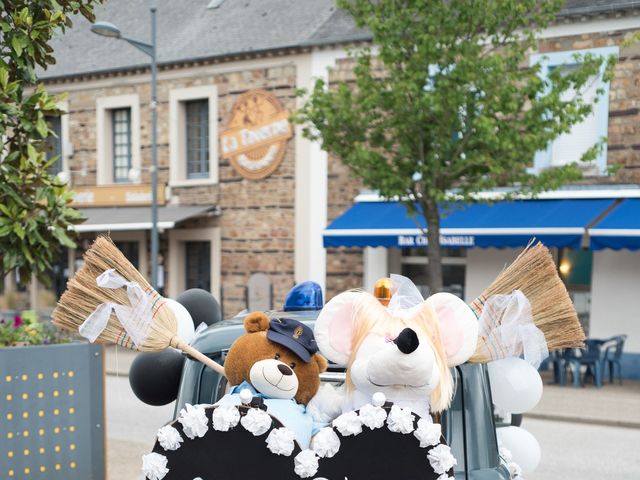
<point>135,319</point>
<point>506,324</point>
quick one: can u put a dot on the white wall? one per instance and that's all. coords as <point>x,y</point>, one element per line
<point>483,266</point>
<point>615,296</point>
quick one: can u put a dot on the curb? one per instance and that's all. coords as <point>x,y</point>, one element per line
<point>588,421</point>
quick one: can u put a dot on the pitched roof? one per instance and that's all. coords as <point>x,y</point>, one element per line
<point>188,30</point>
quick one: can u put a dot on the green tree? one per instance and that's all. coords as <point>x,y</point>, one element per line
<point>448,103</point>
<point>34,206</point>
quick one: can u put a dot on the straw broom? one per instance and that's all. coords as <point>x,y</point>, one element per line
<point>534,273</point>
<point>83,296</point>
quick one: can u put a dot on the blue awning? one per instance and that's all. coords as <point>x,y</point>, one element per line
<point>619,229</point>
<point>556,223</point>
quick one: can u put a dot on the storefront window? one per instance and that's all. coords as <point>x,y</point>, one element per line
<point>575,268</point>
<point>413,264</point>
<point>53,145</point>
<point>198,265</point>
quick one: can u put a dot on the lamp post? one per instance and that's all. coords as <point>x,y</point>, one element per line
<point>107,29</point>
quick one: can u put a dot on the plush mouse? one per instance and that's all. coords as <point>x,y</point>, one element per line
<point>404,353</point>
<point>277,361</point>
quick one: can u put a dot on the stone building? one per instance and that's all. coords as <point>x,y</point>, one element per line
<point>225,64</point>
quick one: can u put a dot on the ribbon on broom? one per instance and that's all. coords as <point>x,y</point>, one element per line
<point>135,319</point>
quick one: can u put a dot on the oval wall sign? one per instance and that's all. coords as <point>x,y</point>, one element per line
<point>257,134</point>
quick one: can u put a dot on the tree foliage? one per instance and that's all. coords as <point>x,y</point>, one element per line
<point>34,206</point>
<point>448,102</point>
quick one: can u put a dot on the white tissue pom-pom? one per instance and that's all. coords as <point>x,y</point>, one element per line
<point>348,424</point>
<point>326,443</point>
<point>428,433</point>
<point>378,399</point>
<point>246,396</point>
<point>169,438</point>
<point>154,466</point>
<point>194,421</point>
<point>505,453</point>
<point>514,470</point>
<point>280,441</point>
<point>256,421</point>
<point>444,476</point>
<point>225,418</point>
<point>441,459</point>
<point>372,417</point>
<point>306,463</point>
<point>400,420</point>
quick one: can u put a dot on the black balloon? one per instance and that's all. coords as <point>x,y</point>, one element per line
<point>201,305</point>
<point>155,376</point>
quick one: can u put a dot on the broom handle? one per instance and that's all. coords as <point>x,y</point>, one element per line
<point>188,349</point>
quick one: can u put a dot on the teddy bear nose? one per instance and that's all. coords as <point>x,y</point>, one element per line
<point>284,369</point>
<point>407,341</point>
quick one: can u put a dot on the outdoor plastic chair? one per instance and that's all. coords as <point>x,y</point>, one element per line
<point>591,358</point>
<point>612,356</point>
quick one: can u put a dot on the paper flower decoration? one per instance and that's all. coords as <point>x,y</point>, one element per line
<point>444,476</point>
<point>372,417</point>
<point>169,438</point>
<point>326,443</point>
<point>306,464</point>
<point>441,459</point>
<point>505,453</point>
<point>280,441</point>
<point>194,421</point>
<point>400,420</point>
<point>154,466</point>
<point>348,424</point>
<point>514,470</point>
<point>225,418</point>
<point>256,421</point>
<point>428,433</point>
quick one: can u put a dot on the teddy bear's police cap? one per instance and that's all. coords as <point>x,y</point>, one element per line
<point>294,335</point>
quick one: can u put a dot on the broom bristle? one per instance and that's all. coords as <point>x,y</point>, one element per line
<point>534,273</point>
<point>83,295</point>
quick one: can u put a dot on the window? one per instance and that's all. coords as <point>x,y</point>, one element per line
<point>117,138</point>
<point>198,265</point>
<point>197,138</point>
<point>121,149</point>
<point>193,131</point>
<point>53,144</point>
<point>413,264</point>
<point>569,147</point>
<point>131,251</point>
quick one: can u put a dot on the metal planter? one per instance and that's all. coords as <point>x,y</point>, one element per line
<point>52,412</point>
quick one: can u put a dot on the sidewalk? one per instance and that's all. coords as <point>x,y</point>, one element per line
<point>613,404</point>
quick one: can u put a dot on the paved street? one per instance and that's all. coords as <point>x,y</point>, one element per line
<point>577,451</point>
<point>131,428</point>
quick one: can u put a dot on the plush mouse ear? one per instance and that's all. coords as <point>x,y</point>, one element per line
<point>334,327</point>
<point>458,327</point>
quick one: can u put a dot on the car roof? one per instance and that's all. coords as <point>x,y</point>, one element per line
<point>221,335</point>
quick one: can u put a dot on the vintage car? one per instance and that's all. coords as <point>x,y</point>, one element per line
<point>468,425</point>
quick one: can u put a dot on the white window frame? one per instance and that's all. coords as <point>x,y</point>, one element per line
<point>65,142</point>
<point>177,273</point>
<point>104,154</point>
<point>177,135</point>
<point>547,61</point>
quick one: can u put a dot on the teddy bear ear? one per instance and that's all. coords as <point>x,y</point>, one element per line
<point>256,322</point>
<point>335,325</point>
<point>458,327</point>
<point>321,361</point>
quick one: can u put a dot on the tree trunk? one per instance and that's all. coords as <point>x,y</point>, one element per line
<point>434,254</point>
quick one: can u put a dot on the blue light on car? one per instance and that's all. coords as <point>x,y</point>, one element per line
<point>304,296</point>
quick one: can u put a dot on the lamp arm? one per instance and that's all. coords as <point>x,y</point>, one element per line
<point>142,46</point>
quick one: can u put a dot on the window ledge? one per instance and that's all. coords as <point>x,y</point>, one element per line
<point>194,182</point>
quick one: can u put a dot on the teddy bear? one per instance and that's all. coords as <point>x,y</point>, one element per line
<point>277,360</point>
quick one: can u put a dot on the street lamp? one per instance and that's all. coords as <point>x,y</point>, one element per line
<point>107,29</point>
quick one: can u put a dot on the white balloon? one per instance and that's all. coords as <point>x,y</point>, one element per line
<point>524,447</point>
<point>186,330</point>
<point>516,386</point>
